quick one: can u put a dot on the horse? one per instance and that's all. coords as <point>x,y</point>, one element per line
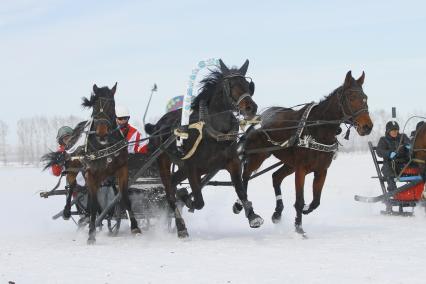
<point>105,155</point>
<point>223,92</point>
<point>419,149</point>
<point>305,146</point>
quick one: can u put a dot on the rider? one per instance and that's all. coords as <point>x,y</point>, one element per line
<point>132,135</point>
<point>63,137</point>
<point>393,148</point>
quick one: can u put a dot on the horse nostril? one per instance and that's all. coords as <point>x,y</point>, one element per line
<point>367,128</point>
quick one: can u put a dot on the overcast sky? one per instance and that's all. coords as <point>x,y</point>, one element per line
<point>52,52</point>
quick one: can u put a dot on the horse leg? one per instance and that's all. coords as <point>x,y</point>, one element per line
<point>277,178</point>
<point>71,183</point>
<point>300,200</point>
<point>253,162</point>
<point>182,194</point>
<point>234,169</point>
<point>194,179</point>
<point>93,187</point>
<point>123,180</point>
<point>318,183</point>
<point>164,167</point>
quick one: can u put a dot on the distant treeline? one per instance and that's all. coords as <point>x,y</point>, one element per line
<point>36,135</point>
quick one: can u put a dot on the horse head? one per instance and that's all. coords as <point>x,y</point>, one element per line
<point>353,104</point>
<point>103,111</point>
<point>239,89</point>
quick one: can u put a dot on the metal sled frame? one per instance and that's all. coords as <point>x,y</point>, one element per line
<point>389,199</point>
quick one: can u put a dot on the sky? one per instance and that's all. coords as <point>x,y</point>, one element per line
<point>53,51</point>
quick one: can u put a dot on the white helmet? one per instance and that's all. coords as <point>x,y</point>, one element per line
<point>121,111</point>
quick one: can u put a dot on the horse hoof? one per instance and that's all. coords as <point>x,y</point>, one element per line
<point>256,222</point>
<point>183,234</point>
<point>299,230</point>
<point>276,218</point>
<point>91,241</point>
<point>66,215</point>
<point>237,208</point>
<point>136,231</point>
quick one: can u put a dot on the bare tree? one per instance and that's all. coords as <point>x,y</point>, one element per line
<point>3,142</point>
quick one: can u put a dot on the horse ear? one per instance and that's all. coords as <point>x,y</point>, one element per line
<point>360,80</point>
<point>223,68</point>
<point>95,88</point>
<point>243,69</point>
<point>348,79</point>
<point>114,89</point>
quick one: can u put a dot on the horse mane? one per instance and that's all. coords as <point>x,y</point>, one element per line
<point>52,158</point>
<point>208,86</point>
<point>76,133</point>
<point>100,93</point>
<point>88,103</point>
<point>335,91</point>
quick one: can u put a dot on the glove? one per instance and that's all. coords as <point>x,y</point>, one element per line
<point>407,146</point>
<point>392,155</point>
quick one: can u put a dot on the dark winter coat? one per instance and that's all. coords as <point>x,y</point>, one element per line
<point>388,144</point>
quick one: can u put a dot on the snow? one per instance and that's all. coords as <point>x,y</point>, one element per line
<point>347,241</point>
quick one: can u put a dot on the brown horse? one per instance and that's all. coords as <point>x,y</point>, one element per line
<point>305,148</point>
<point>113,161</point>
<point>419,149</point>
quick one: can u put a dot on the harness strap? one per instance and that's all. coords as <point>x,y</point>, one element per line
<point>107,151</point>
<point>307,141</point>
<point>300,127</point>
<point>198,126</point>
<point>418,161</point>
<point>246,95</point>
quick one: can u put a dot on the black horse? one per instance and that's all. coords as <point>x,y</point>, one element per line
<point>105,154</point>
<point>308,147</point>
<point>223,92</point>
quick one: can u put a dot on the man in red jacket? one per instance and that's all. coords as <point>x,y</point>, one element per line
<point>132,135</point>
<point>63,137</point>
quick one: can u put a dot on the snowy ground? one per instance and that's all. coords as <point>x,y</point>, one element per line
<point>348,242</point>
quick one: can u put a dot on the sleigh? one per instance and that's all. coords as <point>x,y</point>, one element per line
<point>407,195</point>
<point>146,192</point>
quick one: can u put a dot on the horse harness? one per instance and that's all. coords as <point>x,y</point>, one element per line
<point>307,141</point>
<point>203,123</point>
<point>99,154</point>
<point>227,89</point>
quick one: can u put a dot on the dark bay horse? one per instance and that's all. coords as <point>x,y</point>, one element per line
<point>346,104</point>
<point>223,92</point>
<point>419,149</point>
<point>104,135</point>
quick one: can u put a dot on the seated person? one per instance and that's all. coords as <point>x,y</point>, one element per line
<point>63,137</point>
<point>413,133</point>
<point>394,149</point>
<point>132,135</point>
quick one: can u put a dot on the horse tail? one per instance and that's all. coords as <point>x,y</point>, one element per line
<point>53,158</point>
<point>150,128</point>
